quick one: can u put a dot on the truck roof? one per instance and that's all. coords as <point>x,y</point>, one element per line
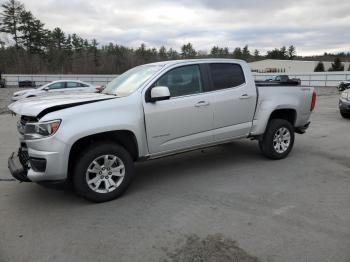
<point>203,60</point>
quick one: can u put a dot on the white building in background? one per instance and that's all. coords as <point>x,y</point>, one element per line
<point>289,66</point>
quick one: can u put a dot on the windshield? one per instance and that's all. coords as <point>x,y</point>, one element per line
<point>131,80</point>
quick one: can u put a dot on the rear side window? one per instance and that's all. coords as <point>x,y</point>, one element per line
<point>226,75</point>
<point>73,84</point>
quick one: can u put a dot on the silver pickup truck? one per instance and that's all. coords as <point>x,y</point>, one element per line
<point>151,111</point>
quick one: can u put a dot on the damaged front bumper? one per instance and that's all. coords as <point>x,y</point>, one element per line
<point>18,165</point>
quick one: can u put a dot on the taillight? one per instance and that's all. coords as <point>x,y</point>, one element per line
<point>313,101</point>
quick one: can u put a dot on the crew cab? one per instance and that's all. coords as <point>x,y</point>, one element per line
<point>152,111</point>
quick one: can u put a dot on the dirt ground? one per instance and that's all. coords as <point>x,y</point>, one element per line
<point>212,248</point>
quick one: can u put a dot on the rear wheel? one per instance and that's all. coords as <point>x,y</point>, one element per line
<point>278,140</point>
<point>103,172</point>
<point>345,115</point>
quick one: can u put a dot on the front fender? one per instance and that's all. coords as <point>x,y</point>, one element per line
<point>95,118</point>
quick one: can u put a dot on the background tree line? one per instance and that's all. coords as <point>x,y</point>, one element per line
<point>337,65</point>
<point>32,48</point>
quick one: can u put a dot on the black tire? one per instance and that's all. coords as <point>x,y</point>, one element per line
<point>87,157</point>
<point>345,115</point>
<point>266,143</point>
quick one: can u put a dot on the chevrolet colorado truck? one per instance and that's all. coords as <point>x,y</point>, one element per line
<point>151,111</point>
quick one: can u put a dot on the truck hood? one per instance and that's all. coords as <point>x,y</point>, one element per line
<point>41,105</point>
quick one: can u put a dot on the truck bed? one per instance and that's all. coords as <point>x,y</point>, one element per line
<point>276,83</point>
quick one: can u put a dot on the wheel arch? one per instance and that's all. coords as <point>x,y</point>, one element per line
<point>288,114</point>
<point>125,138</point>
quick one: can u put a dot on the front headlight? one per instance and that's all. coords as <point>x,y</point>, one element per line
<point>345,95</point>
<point>41,130</point>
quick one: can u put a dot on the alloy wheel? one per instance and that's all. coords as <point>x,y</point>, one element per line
<point>281,140</point>
<point>105,174</point>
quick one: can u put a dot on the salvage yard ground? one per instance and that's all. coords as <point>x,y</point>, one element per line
<point>226,203</point>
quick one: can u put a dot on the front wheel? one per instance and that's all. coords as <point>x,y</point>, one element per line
<point>103,172</point>
<point>278,140</point>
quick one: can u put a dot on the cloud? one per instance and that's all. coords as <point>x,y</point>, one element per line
<point>314,26</point>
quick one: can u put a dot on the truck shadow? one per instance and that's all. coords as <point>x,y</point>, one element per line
<point>155,173</point>
<point>192,164</point>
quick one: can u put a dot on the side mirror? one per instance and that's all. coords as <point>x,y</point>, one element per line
<point>160,93</point>
<point>46,88</point>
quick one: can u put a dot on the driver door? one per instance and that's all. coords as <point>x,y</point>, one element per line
<point>183,121</point>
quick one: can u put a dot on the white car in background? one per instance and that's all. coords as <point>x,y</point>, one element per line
<point>57,87</point>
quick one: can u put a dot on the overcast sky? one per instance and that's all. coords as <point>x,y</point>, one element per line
<point>313,26</point>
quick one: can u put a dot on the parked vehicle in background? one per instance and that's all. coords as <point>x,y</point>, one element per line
<point>344,104</point>
<point>153,111</point>
<point>2,81</point>
<point>56,87</point>
<point>276,78</point>
<point>270,78</point>
<point>343,85</point>
<point>283,79</point>
<point>26,83</point>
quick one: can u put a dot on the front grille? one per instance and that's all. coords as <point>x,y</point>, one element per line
<point>23,121</point>
<point>26,119</point>
<point>23,157</point>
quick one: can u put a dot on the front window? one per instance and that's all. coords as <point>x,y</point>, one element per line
<point>181,81</point>
<point>130,81</point>
<point>57,85</point>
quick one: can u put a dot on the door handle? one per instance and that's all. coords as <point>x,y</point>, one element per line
<point>202,103</point>
<point>244,96</point>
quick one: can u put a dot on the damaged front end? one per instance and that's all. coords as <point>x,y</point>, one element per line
<point>18,163</point>
<point>41,157</point>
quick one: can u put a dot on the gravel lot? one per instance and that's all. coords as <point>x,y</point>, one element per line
<point>226,203</point>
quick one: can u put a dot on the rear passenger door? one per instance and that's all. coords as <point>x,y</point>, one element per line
<point>233,100</point>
